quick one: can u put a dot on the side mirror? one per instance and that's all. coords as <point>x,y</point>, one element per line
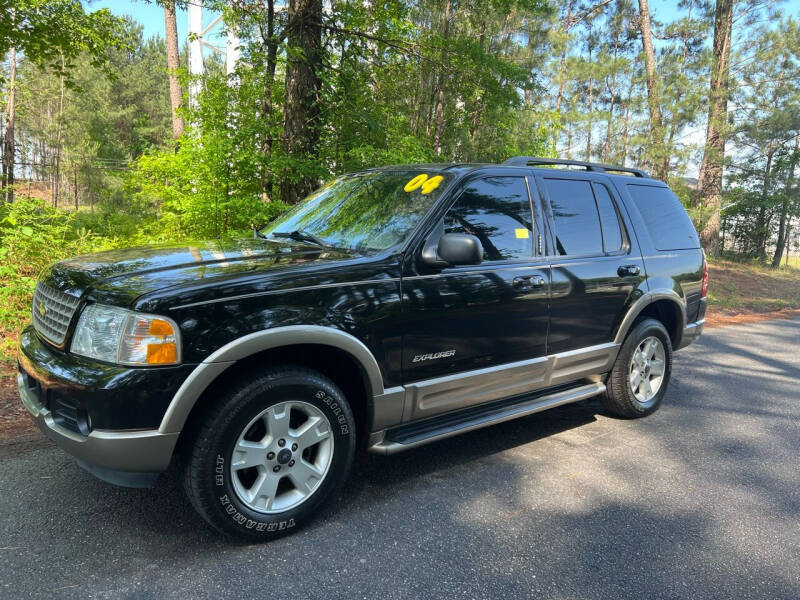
<point>458,249</point>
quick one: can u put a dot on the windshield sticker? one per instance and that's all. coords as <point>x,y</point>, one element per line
<point>431,184</point>
<point>423,183</point>
<point>415,183</point>
<point>522,234</point>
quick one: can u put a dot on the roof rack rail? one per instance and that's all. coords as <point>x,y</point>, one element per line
<point>529,161</point>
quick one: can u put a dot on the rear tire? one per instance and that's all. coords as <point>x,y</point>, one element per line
<point>638,381</point>
<point>269,453</point>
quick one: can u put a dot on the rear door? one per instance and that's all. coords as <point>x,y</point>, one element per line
<point>596,265</point>
<point>467,318</point>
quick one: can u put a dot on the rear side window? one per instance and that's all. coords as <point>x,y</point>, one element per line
<point>576,218</point>
<point>609,219</point>
<point>665,218</point>
<point>498,212</point>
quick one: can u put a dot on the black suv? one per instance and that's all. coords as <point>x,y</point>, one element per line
<point>393,307</point>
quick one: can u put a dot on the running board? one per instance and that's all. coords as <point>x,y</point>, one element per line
<point>412,435</point>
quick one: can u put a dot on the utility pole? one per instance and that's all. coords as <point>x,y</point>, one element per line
<point>196,67</point>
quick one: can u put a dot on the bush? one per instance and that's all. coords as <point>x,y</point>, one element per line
<point>33,235</point>
<point>193,195</point>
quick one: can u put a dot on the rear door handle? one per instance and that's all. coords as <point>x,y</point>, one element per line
<point>628,270</point>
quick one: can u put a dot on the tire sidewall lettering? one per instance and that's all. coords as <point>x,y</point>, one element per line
<point>338,414</point>
<point>246,519</point>
<point>248,523</point>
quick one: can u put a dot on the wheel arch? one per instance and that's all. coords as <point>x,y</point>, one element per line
<point>666,306</point>
<point>322,348</point>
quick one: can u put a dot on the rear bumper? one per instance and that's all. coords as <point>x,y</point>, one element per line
<point>691,332</point>
<point>132,458</point>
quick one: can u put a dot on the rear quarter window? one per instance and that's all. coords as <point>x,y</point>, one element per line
<point>666,219</point>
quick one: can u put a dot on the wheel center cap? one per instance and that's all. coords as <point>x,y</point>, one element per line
<point>284,456</point>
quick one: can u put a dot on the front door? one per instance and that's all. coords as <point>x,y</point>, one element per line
<point>464,321</point>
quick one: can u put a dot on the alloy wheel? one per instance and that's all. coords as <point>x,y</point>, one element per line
<point>647,368</point>
<point>281,457</point>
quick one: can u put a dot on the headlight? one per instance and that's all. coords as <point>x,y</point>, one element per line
<point>125,337</point>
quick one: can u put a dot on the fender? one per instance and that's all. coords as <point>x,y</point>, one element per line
<point>208,370</point>
<point>642,302</point>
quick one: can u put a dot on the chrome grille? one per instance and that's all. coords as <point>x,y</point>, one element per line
<point>52,312</point>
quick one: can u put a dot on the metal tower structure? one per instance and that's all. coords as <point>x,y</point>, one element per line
<point>200,38</point>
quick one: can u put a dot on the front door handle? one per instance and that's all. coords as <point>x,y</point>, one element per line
<point>628,270</point>
<point>526,282</point>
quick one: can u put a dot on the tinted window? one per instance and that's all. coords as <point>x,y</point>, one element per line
<point>609,220</point>
<point>496,210</point>
<point>575,214</point>
<point>665,218</point>
<point>373,210</point>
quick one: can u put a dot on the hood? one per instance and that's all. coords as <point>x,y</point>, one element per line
<point>121,276</point>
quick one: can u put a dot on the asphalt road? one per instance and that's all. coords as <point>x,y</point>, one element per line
<point>700,500</point>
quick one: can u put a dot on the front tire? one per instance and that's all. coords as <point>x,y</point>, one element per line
<point>270,453</point>
<point>638,381</point>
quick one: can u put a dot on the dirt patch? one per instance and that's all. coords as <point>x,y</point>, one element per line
<point>723,318</point>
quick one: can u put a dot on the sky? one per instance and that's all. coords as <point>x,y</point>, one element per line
<point>151,15</point>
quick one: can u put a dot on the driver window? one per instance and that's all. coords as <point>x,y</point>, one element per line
<point>497,211</point>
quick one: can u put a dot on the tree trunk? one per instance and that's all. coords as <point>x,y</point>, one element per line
<point>784,225</point>
<point>173,64</point>
<point>612,90</point>
<point>562,68</point>
<point>301,107</point>
<point>59,130</point>
<point>439,118</point>
<point>709,184</point>
<point>656,146</point>
<point>8,142</point>
<point>626,122</point>
<point>591,100</point>
<point>266,104</point>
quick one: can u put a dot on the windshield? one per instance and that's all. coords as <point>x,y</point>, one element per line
<point>363,211</point>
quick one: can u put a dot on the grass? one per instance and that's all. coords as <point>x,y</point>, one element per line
<point>748,287</point>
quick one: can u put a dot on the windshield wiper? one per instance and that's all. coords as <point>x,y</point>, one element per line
<point>301,236</point>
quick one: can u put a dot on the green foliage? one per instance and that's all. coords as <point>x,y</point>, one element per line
<point>382,70</point>
<point>86,136</point>
<point>34,234</point>
<point>213,184</point>
<point>763,195</point>
<point>53,33</point>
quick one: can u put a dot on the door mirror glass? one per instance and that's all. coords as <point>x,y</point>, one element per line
<point>460,249</point>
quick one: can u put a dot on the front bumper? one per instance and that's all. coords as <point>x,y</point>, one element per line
<point>131,458</point>
<point>96,412</point>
